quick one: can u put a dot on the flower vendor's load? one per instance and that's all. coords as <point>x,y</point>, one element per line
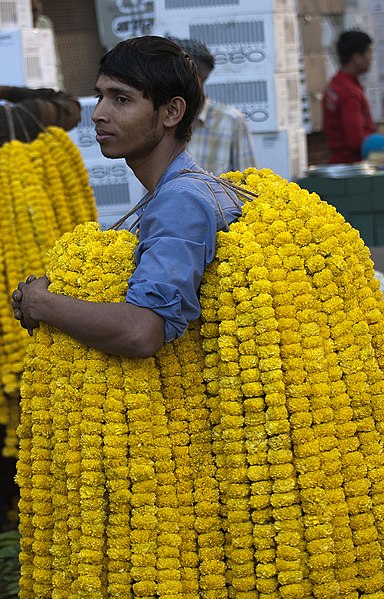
<point>245,460</point>
<point>44,192</point>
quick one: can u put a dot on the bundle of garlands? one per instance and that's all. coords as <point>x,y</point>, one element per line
<point>245,460</point>
<point>44,192</point>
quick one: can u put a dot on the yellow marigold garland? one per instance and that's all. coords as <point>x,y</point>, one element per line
<point>314,260</point>
<point>11,363</point>
<point>257,475</point>
<point>44,192</point>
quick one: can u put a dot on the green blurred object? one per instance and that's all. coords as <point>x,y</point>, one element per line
<point>9,564</point>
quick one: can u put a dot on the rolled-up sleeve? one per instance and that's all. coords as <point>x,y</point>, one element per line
<point>177,236</point>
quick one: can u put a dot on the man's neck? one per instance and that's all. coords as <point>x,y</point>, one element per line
<point>350,70</point>
<point>150,169</point>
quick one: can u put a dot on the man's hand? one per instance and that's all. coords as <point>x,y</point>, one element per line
<point>117,328</point>
<point>22,300</point>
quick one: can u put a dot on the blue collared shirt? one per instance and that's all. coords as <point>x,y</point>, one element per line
<point>177,239</point>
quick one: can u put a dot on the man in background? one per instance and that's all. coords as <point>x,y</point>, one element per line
<point>347,118</point>
<point>221,139</point>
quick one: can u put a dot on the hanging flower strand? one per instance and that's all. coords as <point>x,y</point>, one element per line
<point>258,474</point>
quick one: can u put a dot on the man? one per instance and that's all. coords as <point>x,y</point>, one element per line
<point>347,119</point>
<point>25,112</point>
<point>221,138</point>
<point>149,94</point>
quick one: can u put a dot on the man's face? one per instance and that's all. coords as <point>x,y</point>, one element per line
<point>127,126</point>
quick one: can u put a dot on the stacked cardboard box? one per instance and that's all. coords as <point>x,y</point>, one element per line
<point>320,23</point>
<point>27,54</point>
<point>255,45</point>
<point>115,187</point>
<point>118,19</point>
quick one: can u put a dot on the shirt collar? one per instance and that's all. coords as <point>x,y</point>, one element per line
<point>204,111</point>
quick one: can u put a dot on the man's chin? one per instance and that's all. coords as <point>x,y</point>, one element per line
<point>111,155</point>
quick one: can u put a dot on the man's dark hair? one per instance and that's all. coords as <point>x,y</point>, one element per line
<point>160,69</point>
<point>350,43</point>
<point>199,53</point>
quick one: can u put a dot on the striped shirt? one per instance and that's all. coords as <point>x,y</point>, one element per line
<point>221,139</point>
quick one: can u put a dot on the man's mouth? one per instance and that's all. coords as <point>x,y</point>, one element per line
<point>102,135</point>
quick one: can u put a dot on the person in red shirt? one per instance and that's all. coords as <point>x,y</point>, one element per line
<point>347,118</point>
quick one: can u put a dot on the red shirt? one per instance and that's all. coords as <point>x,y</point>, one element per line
<point>347,118</point>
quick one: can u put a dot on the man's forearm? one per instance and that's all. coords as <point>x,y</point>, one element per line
<point>116,328</point>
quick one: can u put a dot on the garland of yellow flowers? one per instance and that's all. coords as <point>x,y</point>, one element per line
<point>307,262</point>
<point>246,459</point>
<point>44,191</point>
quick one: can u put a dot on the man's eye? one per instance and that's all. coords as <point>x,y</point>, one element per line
<point>121,99</point>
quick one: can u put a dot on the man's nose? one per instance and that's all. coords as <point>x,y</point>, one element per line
<point>99,112</point>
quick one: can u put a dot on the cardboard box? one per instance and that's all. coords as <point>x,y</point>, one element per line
<point>271,102</point>
<point>181,10</point>
<point>16,13</point>
<point>374,96</point>
<point>378,46</point>
<point>319,33</point>
<point>28,58</point>
<point>312,112</point>
<point>250,43</point>
<point>285,152</point>
<point>316,76</point>
<point>364,6</point>
<point>115,187</point>
<point>327,64</point>
<point>361,21</point>
<point>318,69</point>
<point>84,135</point>
<point>118,21</point>
<point>320,7</point>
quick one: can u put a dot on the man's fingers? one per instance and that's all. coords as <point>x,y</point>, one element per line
<point>17,300</point>
<point>17,313</point>
<point>17,295</point>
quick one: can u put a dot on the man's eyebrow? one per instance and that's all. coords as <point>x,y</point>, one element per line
<point>114,89</point>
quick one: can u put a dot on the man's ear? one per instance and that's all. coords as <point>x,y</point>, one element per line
<point>174,112</point>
